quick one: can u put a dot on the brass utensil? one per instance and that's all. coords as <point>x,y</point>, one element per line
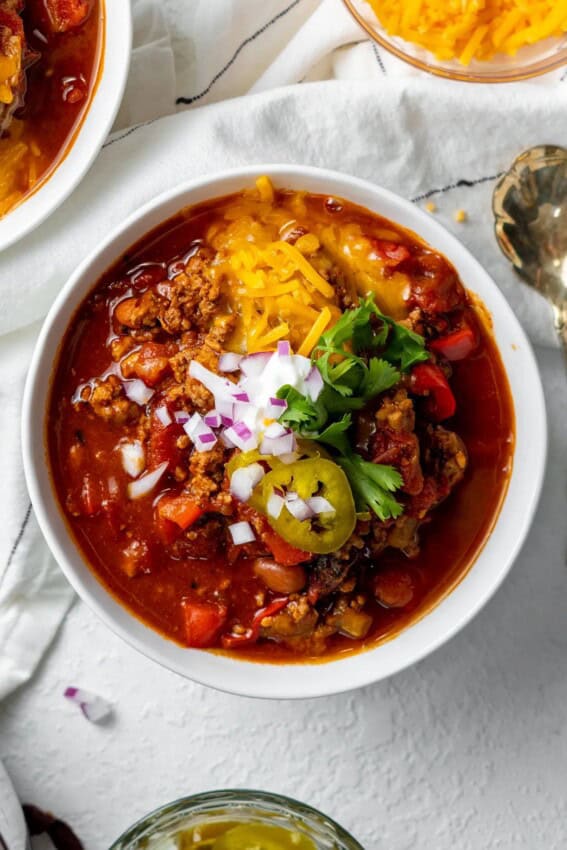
<point>530,210</point>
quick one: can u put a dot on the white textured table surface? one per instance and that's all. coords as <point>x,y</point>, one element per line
<point>467,750</point>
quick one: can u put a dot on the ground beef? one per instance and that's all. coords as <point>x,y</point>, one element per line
<point>205,539</point>
<point>107,399</point>
<point>395,442</point>
<point>140,311</point>
<point>326,574</point>
<point>206,477</point>
<point>435,286</point>
<point>445,462</point>
<point>192,297</point>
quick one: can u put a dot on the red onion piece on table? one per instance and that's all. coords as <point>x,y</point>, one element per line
<point>95,708</point>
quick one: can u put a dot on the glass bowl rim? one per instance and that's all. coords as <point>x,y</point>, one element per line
<point>238,796</point>
<point>528,72</point>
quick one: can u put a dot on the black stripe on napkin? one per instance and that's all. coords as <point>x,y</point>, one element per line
<point>18,539</point>
<point>379,59</point>
<point>251,38</point>
<point>459,184</point>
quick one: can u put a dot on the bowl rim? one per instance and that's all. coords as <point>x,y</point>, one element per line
<point>240,797</point>
<point>452,613</point>
<point>465,76</point>
<point>90,133</point>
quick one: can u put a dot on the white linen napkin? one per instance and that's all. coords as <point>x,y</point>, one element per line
<point>414,135</point>
<point>13,832</point>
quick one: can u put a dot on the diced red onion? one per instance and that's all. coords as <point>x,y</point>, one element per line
<point>241,532</point>
<point>137,391</point>
<point>242,409</point>
<point>244,479</point>
<point>314,383</point>
<point>278,446</point>
<point>284,348</point>
<point>214,383</point>
<point>162,414</point>
<point>193,424</point>
<point>133,458</point>
<point>242,437</point>
<point>225,406</point>
<point>320,505</point>
<point>229,361</point>
<point>144,485</point>
<point>181,417</point>
<point>213,419</point>
<point>95,708</point>
<point>298,508</point>
<point>226,441</point>
<point>274,505</point>
<point>199,432</point>
<point>241,396</point>
<point>275,408</point>
<point>275,430</point>
<point>254,364</point>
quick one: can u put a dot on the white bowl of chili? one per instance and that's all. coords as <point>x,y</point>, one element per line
<point>515,415</point>
<point>72,98</point>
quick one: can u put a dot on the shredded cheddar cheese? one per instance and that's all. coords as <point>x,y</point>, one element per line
<point>472,29</point>
<point>319,326</point>
<point>285,271</point>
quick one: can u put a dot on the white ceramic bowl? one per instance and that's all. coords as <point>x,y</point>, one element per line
<point>116,45</point>
<point>298,680</point>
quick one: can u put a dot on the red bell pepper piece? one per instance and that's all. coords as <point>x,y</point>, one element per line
<point>203,621</point>
<point>251,635</point>
<point>456,345</point>
<point>183,510</point>
<point>428,379</point>
<point>284,553</point>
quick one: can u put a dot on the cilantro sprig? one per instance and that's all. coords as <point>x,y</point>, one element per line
<point>360,357</point>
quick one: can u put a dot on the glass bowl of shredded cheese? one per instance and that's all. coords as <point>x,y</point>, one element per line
<point>491,41</point>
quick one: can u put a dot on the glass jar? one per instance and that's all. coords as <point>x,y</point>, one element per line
<point>161,828</point>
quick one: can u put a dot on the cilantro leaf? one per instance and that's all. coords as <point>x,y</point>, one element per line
<point>301,414</point>
<point>405,347</point>
<point>335,434</point>
<point>380,376</point>
<point>372,485</point>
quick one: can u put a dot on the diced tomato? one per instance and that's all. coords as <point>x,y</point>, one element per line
<point>168,531</point>
<point>428,379</point>
<point>250,636</point>
<point>391,253</point>
<point>162,445</point>
<point>456,345</point>
<point>181,509</point>
<point>67,14</point>
<point>203,621</point>
<point>284,553</point>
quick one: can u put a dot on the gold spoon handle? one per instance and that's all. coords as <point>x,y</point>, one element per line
<point>560,317</point>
